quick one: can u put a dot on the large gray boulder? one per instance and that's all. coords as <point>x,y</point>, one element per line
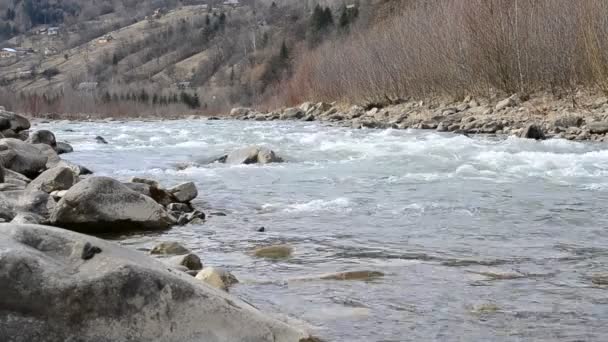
<point>21,157</point>
<point>59,285</point>
<point>78,170</point>
<point>63,147</point>
<point>532,131</point>
<point>16,122</point>
<point>184,192</point>
<point>27,201</point>
<point>251,155</point>
<point>53,158</point>
<point>55,179</point>
<point>102,204</point>
<point>43,137</point>
<point>598,127</point>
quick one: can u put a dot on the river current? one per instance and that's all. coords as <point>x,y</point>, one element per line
<point>479,238</point>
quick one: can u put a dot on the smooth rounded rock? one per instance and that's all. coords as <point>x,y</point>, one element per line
<point>217,277</point>
<point>55,179</point>
<point>104,205</point>
<point>169,248</point>
<point>274,252</point>
<point>51,293</point>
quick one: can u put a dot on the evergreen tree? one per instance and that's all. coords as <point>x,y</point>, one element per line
<point>344,18</point>
<point>328,17</point>
<point>284,54</point>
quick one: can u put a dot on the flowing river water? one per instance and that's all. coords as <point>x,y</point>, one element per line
<point>479,238</point>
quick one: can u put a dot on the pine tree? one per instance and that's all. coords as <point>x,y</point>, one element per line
<point>284,54</point>
<point>344,19</point>
<point>328,18</point>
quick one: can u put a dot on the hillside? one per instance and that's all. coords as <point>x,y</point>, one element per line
<point>166,57</point>
<point>197,55</point>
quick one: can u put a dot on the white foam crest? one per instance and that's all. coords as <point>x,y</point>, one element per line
<point>589,164</point>
<point>338,204</point>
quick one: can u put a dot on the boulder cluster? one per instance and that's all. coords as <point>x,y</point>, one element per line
<point>59,284</point>
<point>538,117</point>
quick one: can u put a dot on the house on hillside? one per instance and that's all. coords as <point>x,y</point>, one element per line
<point>231,3</point>
<point>105,39</point>
<point>8,53</point>
<point>87,86</point>
<point>49,51</point>
<point>183,85</point>
<point>52,31</point>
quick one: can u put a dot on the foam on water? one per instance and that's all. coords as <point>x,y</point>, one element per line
<point>424,208</point>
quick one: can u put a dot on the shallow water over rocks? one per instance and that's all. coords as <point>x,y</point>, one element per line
<point>477,238</point>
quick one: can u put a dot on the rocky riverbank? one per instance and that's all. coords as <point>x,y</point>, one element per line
<point>581,116</point>
<point>93,289</point>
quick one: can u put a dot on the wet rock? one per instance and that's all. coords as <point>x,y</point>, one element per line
<point>27,218</point>
<point>63,147</point>
<point>240,111</point>
<point>11,176</point>
<point>566,121</point>
<point>598,127</point>
<point>217,277</point>
<point>43,137</point>
<point>53,158</point>
<point>17,123</point>
<point>149,182</point>
<point>57,195</point>
<point>292,114</point>
<point>102,204</point>
<point>116,294</point>
<point>89,251</point>
<point>100,140</point>
<point>442,127</point>
<point>141,188</point>
<point>353,275</point>
<point>485,309</point>
<point>25,201</point>
<point>162,196</point>
<point>179,207</point>
<point>184,192</point>
<point>308,118</point>
<point>169,248</point>
<point>274,252</point>
<point>196,217</point>
<point>78,170</point>
<point>22,157</point>
<point>599,279</point>
<point>261,230</point>
<point>190,261</point>
<point>532,131</point>
<point>251,155</point>
<point>55,179</point>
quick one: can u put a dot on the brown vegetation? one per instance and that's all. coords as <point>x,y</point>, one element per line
<point>461,47</point>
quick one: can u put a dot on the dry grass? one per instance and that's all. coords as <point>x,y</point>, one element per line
<point>461,47</point>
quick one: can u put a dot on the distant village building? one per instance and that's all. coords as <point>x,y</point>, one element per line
<point>25,74</point>
<point>8,53</point>
<point>105,39</point>
<point>53,31</point>
<point>87,86</point>
<point>231,3</point>
<point>183,85</point>
<point>49,51</point>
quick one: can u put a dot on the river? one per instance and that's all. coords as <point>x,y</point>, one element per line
<point>480,238</point>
